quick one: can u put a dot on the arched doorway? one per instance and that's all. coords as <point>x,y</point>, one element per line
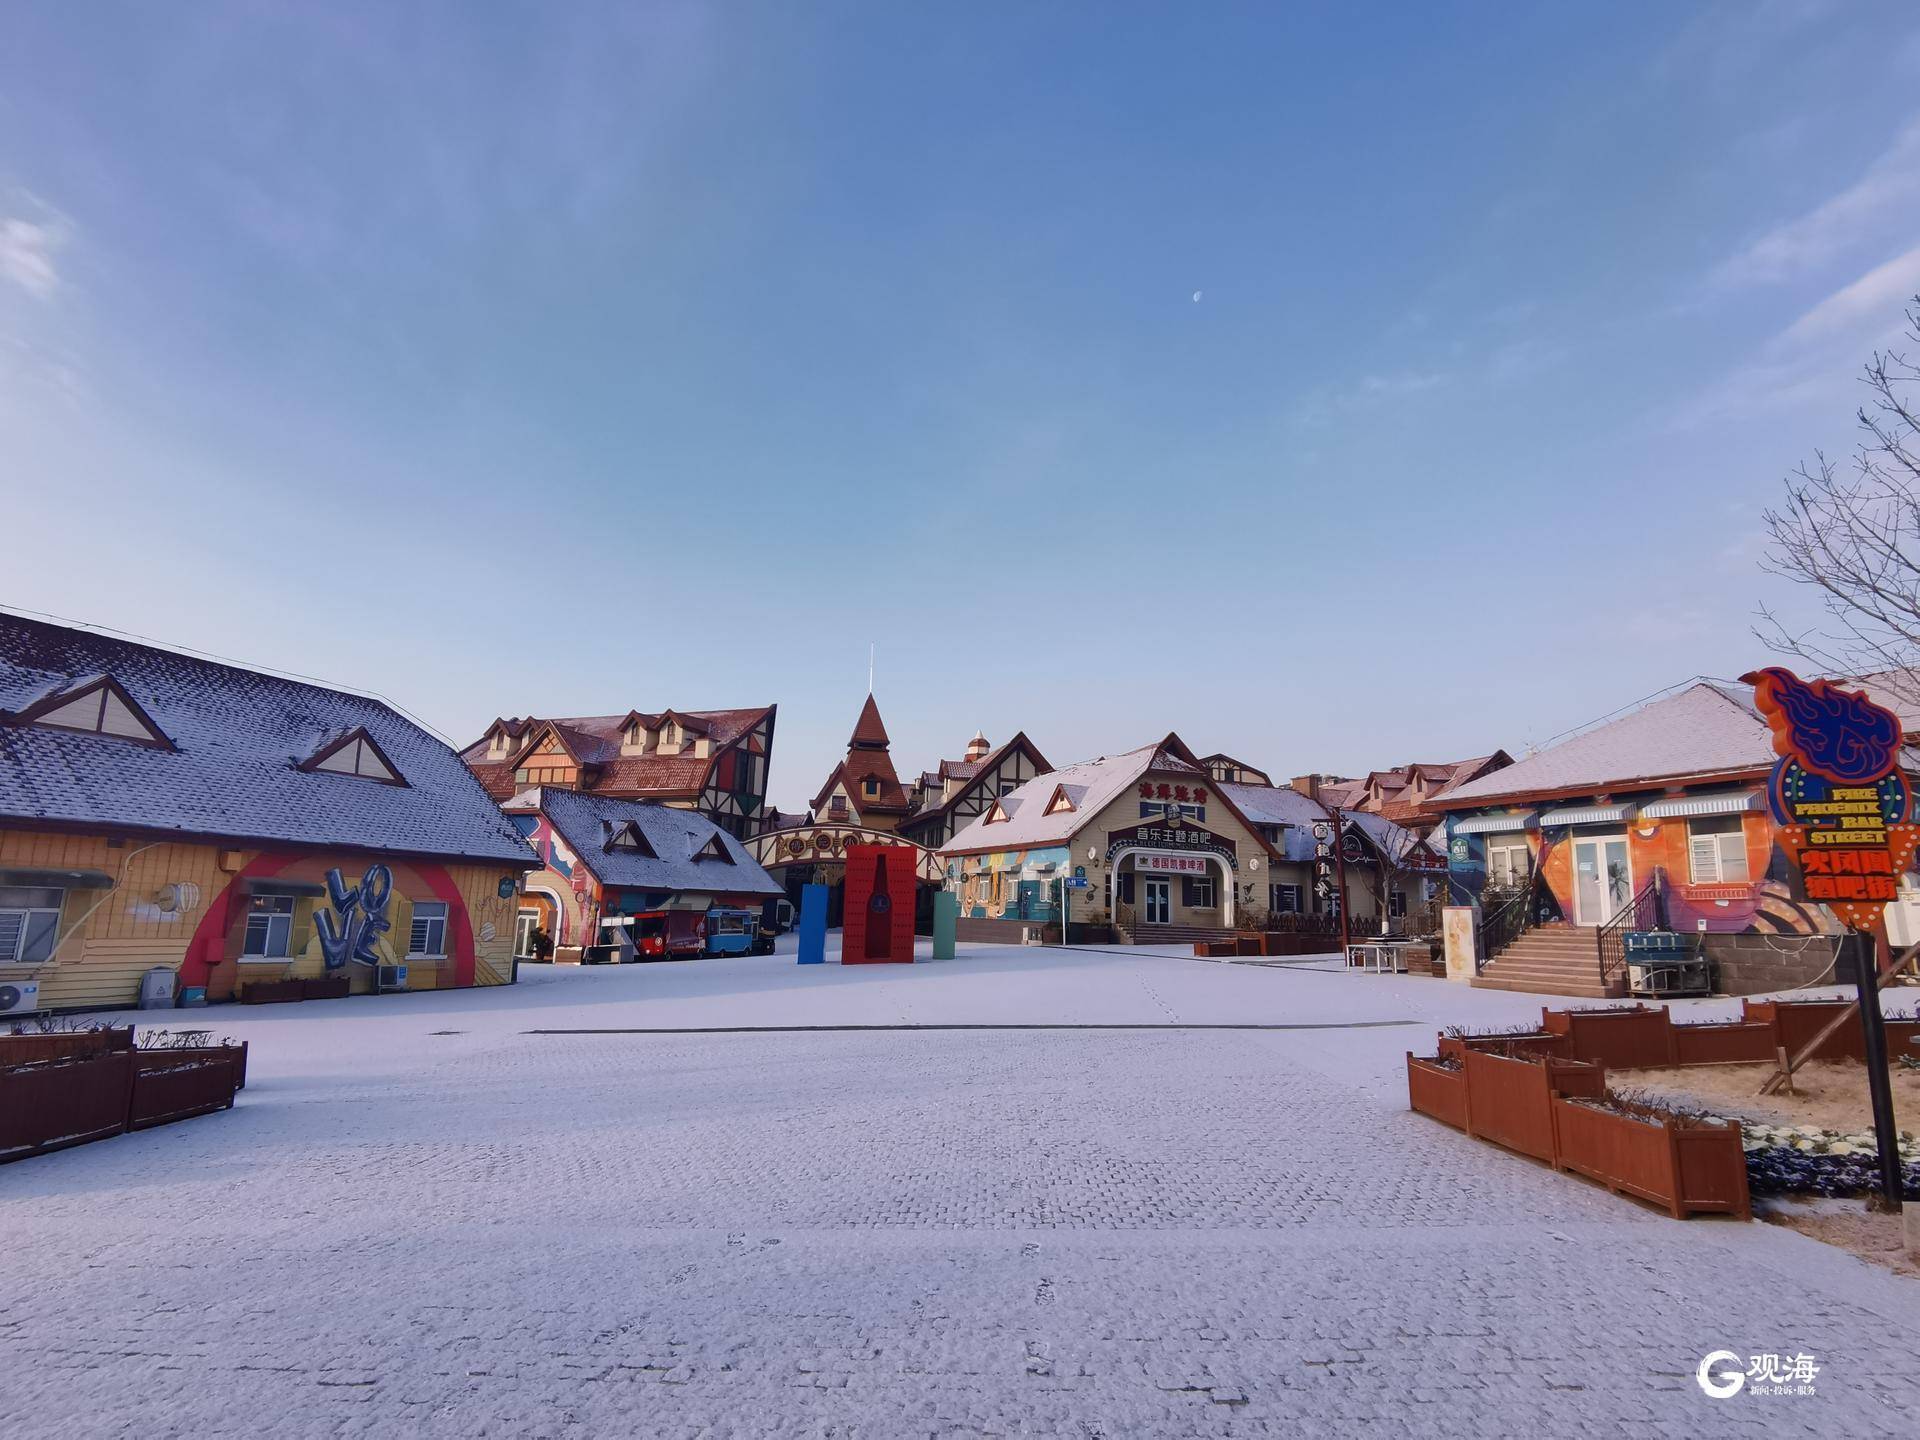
<point>1175,889</point>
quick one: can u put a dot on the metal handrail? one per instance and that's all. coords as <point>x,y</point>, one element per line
<point>1646,911</point>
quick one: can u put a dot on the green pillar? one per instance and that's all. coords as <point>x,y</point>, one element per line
<point>946,914</point>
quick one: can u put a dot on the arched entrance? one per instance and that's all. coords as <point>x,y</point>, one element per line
<point>800,854</point>
<point>1177,889</point>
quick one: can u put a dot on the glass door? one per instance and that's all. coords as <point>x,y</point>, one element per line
<point>1602,879</point>
<point>1159,904</point>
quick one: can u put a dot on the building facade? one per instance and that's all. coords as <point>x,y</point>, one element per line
<point>1162,851</point>
<point>864,790</point>
<point>602,858</point>
<point>714,762</point>
<point>948,798</point>
<point>1672,795</point>
<point>158,811</point>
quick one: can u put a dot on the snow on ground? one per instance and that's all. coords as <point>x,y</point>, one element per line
<point>427,1217</point>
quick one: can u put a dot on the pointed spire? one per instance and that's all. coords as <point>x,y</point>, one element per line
<point>868,730</point>
<point>978,748</point>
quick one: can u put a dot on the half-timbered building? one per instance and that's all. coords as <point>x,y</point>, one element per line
<point>712,761</point>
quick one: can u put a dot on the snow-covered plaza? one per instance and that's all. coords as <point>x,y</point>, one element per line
<point>538,1210</point>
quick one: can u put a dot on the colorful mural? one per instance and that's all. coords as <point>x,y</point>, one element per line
<point>1010,884</point>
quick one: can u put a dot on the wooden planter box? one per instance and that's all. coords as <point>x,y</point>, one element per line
<point>1625,1039</point>
<point>1434,1089</point>
<point>1690,1169</point>
<point>326,987</point>
<point>56,1103</point>
<point>1246,944</point>
<point>272,992</point>
<point>1528,1105</point>
<point>1215,949</point>
<point>1558,1047</point>
<point>62,1045</point>
<point>1730,1042</point>
<point>175,1084</point>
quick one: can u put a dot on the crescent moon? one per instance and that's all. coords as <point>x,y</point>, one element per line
<point>1196,296</point>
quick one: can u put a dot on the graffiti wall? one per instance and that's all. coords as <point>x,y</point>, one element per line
<point>1010,884</point>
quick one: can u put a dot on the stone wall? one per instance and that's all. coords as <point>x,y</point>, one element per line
<point>1754,964</point>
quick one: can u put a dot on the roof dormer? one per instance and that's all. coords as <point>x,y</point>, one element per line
<point>354,753</point>
<point>627,838</point>
<point>96,705</point>
<point>1060,801</point>
<point>996,814</point>
<point>714,849</point>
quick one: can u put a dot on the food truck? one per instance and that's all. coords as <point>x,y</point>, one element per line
<point>732,932</point>
<point>650,935</point>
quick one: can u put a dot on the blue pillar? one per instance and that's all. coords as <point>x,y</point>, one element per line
<point>813,925</point>
<point>946,912</point>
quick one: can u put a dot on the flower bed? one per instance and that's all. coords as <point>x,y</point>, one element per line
<point>326,987</point>
<point>1797,1160</point>
<point>272,992</point>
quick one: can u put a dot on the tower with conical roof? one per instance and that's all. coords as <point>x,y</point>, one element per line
<point>863,789</point>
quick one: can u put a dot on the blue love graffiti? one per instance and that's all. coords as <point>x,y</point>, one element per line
<point>352,929</point>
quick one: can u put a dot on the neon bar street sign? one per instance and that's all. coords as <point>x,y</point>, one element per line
<point>1837,793</point>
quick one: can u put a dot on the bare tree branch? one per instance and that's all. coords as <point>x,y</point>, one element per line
<point>1854,538</point>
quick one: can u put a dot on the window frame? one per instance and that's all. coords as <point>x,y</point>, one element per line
<point>1716,830</point>
<point>48,916</point>
<point>416,920</point>
<point>268,909</point>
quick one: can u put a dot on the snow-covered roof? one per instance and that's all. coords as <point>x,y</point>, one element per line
<point>1274,804</point>
<point>1094,784</point>
<point>1708,728</point>
<point>586,822</point>
<point>232,767</point>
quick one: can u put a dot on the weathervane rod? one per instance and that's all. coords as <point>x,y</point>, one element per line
<point>870,667</point>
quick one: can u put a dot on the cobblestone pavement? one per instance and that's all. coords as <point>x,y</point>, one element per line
<point>894,1234</point>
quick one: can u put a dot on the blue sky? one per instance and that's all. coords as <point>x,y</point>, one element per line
<point>565,359</point>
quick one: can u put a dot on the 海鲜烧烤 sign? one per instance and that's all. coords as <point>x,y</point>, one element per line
<point>1837,793</point>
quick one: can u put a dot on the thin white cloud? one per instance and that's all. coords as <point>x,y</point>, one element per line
<point>27,250</point>
<point>1883,291</point>
<point>1887,195</point>
<point>1820,353</point>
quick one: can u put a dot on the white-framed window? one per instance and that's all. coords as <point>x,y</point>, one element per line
<point>524,924</point>
<point>1509,862</point>
<point>1716,850</point>
<point>429,936</point>
<point>269,927</point>
<point>1397,904</point>
<point>29,923</point>
<point>1283,899</point>
<point>1199,892</point>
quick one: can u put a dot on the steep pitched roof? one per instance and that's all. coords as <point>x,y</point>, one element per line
<point>1708,728</point>
<point>595,740</point>
<point>676,837</point>
<point>867,759</point>
<point>972,771</point>
<point>868,730</point>
<point>232,769</point>
<point>1095,784</point>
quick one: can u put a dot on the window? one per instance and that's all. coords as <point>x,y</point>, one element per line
<point>1509,862</point>
<point>29,924</point>
<point>837,807</point>
<point>524,924</point>
<point>429,935</point>
<point>269,927</point>
<point>870,786</point>
<point>1197,892</point>
<point>1283,899</point>
<point>1397,904</point>
<point>1717,850</point>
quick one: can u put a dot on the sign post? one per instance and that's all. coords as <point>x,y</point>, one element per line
<point>1844,812</point>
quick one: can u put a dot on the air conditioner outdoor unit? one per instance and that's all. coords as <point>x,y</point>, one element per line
<point>19,997</point>
<point>392,977</point>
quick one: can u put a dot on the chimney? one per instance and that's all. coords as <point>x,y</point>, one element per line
<point>1307,785</point>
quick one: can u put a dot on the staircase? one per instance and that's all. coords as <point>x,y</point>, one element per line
<point>1552,960</point>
